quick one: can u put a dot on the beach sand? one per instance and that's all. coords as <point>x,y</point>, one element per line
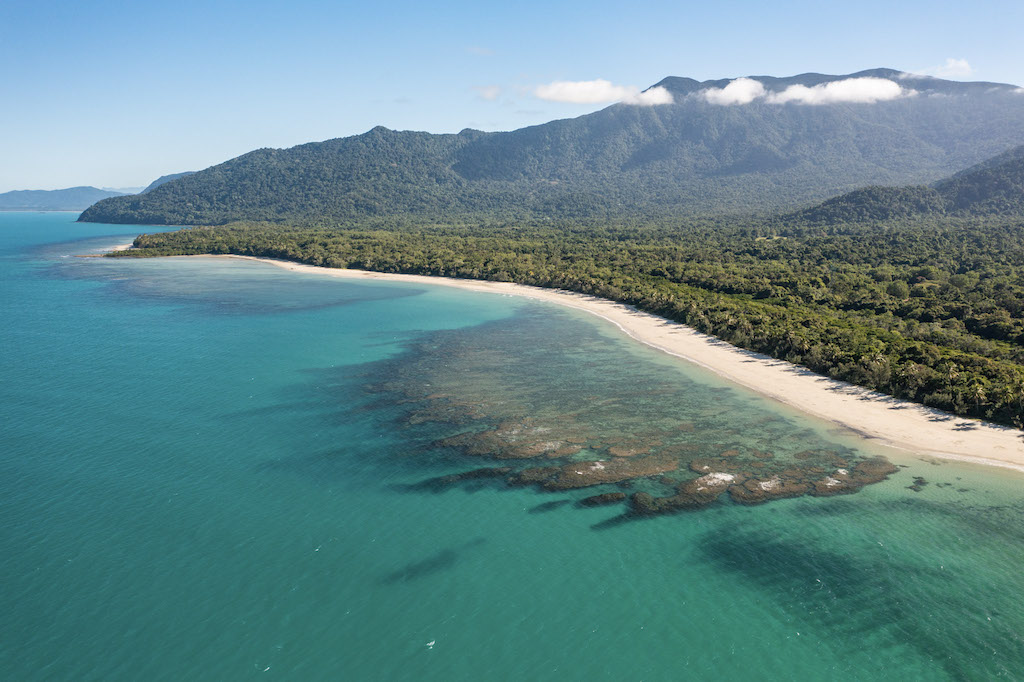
<point>895,423</point>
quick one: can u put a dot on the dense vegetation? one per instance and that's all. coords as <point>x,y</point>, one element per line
<point>993,187</point>
<point>916,291</point>
<point>932,311</point>
<point>164,179</point>
<point>689,157</point>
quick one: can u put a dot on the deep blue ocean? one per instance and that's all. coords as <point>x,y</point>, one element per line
<point>215,469</point>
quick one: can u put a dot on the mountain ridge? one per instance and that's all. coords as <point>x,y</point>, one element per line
<point>67,199</point>
<point>692,156</point>
<point>993,187</point>
<point>162,180</point>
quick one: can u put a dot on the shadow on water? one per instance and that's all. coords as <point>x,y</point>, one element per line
<point>616,521</point>
<point>872,594</point>
<point>471,481</point>
<point>549,506</point>
<point>991,523</point>
<point>442,560</point>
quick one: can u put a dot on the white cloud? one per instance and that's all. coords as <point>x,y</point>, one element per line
<point>858,90</point>
<point>583,92</point>
<point>953,68</point>
<point>651,97</point>
<point>600,91</point>
<point>487,92</point>
<point>865,90</point>
<point>480,51</point>
<point>739,91</point>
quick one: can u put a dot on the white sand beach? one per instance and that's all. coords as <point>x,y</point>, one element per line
<point>889,421</point>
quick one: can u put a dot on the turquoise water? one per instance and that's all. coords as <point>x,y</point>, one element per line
<point>214,469</point>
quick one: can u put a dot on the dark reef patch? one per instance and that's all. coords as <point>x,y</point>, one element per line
<point>562,407</point>
<point>603,499</point>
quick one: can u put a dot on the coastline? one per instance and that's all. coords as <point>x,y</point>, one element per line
<point>106,250</point>
<point>875,416</point>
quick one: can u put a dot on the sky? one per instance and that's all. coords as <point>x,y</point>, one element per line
<point>114,93</point>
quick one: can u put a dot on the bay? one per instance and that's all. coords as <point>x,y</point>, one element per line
<point>211,469</point>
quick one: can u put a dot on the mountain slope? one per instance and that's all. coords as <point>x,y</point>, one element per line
<point>164,179</point>
<point>70,199</point>
<point>995,186</point>
<point>690,156</point>
<point>992,187</point>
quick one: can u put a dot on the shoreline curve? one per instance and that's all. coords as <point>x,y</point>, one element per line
<point>889,421</point>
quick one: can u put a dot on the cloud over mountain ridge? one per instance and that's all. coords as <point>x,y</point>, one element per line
<point>864,90</point>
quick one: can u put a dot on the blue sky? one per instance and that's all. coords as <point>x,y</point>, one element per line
<point>117,93</point>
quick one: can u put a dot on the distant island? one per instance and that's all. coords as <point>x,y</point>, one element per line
<point>163,179</point>
<point>70,199</point>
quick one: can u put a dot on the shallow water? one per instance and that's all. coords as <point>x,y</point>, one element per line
<point>212,469</point>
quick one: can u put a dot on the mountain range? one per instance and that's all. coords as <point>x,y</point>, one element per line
<point>992,188</point>
<point>70,199</point>
<point>744,145</point>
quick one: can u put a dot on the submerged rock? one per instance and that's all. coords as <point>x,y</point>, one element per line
<point>715,482</point>
<point>705,489</point>
<point>873,470</point>
<point>708,465</point>
<point>585,474</point>
<point>520,439</point>
<point>602,499</point>
<point>918,484</point>
<point>627,450</point>
<point>645,504</point>
<point>533,475</point>
<point>476,474</point>
<point>838,482</point>
<point>758,490</point>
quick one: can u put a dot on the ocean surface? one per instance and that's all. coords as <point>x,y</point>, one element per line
<point>213,469</point>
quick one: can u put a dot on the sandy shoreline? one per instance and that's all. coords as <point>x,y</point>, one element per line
<point>895,423</point>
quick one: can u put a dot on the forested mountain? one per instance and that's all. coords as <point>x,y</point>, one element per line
<point>70,199</point>
<point>721,146</point>
<point>992,188</point>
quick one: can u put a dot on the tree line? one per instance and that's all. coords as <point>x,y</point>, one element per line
<point>930,310</point>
